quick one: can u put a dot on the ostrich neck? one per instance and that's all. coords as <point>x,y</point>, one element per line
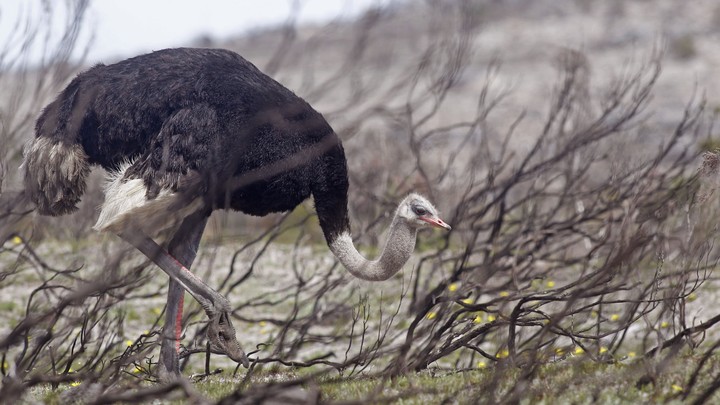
<point>398,248</point>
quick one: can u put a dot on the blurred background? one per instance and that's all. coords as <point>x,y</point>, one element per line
<point>113,31</point>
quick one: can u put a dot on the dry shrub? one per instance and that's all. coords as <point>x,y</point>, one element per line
<point>579,237</point>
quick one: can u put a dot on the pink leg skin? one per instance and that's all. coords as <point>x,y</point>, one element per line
<point>169,366</point>
<point>183,248</point>
<point>178,324</point>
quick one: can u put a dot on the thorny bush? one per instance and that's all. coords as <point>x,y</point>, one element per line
<point>581,241</point>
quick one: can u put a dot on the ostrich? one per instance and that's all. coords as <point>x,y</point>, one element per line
<point>182,132</point>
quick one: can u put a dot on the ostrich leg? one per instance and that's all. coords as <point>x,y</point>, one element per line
<point>183,247</point>
<point>221,333</point>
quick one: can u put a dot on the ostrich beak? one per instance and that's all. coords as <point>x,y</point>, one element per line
<point>437,222</point>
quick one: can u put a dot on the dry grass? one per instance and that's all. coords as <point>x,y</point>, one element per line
<point>560,145</point>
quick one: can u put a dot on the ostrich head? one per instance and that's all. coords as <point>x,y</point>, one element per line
<point>413,213</point>
<point>222,338</point>
<point>418,212</point>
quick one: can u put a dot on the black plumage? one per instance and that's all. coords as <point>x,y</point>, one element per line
<point>203,122</point>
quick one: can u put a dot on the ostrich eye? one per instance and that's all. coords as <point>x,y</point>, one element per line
<point>418,210</point>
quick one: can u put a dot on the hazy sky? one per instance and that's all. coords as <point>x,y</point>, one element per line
<point>128,27</point>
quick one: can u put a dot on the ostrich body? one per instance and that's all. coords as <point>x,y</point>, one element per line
<point>183,132</point>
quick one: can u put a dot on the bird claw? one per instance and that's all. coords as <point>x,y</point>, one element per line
<point>221,335</point>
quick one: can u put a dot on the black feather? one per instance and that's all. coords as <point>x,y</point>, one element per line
<point>206,123</point>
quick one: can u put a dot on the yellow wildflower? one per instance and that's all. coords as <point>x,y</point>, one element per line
<point>262,323</point>
<point>491,318</point>
<point>431,315</point>
<point>453,287</point>
<point>676,387</point>
<point>478,319</point>
<point>593,314</point>
<point>481,364</point>
<point>550,284</point>
<point>579,350</point>
<point>614,317</point>
<point>664,324</point>
<point>137,370</point>
<point>468,301</point>
<point>75,383</point>
<point>504,294</point>
<point>632,354</point>
<point>502,354</point>
<point>603,349</point>
<point>129,342</point>
<point>17,240</point>
<point>559,351</point>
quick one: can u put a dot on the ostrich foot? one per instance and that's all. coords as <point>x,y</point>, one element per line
<point>221,335</point>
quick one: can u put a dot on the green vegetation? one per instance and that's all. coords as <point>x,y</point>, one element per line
<point>577,380</point>
<point>709,144</point>
<point>684,47</point>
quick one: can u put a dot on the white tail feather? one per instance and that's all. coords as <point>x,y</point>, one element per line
<point>126,206</point>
